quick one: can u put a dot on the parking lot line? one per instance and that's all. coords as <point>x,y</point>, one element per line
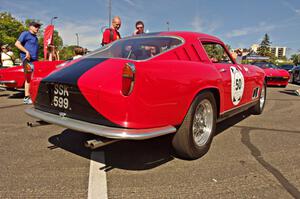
<point>97,177</point>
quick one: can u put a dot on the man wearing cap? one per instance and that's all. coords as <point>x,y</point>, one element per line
<point>28,45</point>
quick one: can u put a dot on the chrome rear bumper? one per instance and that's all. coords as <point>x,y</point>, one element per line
<point>100,130</point>
<point>8,82</point>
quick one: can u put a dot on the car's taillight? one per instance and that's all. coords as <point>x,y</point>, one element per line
<point>128,78</point>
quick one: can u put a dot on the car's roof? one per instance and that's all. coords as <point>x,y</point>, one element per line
<point>186,35</point>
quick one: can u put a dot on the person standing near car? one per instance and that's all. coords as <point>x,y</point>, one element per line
<point>7,56</point>
<point>111,34</point>
<point>139,28</point>
<point>28,45</point>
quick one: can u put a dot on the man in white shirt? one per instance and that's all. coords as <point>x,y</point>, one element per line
<point>7,56</point>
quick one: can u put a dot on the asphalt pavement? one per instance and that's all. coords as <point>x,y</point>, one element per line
<point>251,157</point>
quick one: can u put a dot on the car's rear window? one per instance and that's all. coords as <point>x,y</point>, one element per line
<point>137,48</point>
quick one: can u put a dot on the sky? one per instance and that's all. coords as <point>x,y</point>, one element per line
<point>239,23</point>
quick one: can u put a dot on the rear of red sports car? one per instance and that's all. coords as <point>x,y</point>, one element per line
<point>144,87</point>
<point>109,89</point>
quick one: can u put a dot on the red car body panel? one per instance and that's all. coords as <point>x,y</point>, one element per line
<point>12,77</point>
<point>41,70</point>
<point>16,74</point>
<point>165,86</point>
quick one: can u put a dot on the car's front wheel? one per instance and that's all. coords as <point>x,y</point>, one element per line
<point>193,138</point>
<point>259,107</point>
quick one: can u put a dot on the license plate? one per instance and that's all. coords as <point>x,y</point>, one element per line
<point>60,97</point>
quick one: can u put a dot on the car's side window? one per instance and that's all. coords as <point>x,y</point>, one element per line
<point>216,53</point>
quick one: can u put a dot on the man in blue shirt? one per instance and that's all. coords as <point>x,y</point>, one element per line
<point>28,45</point>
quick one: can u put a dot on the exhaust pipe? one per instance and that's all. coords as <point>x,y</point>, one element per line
<point>99,142</point>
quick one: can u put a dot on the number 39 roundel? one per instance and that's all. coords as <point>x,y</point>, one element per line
<point>237,85</point>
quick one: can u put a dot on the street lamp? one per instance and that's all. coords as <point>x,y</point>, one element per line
<point>168,26</point>
<point>77,38</point>
<point>53,19</point>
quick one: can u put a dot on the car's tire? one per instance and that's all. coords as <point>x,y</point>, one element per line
<point>259,107</point>
<point>193,138</point>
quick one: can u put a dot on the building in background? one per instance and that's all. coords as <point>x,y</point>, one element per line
<point>277,51</point>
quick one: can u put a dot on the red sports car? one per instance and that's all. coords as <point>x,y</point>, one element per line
<point>150,85</point>
<point>275,75</point>
<point>13,77</point>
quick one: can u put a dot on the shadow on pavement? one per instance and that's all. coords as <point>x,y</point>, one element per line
<point>130,155</point>
<point>222,126</point>
<point>17,95</point>
<point>4,95</point>
<point>11,106</point>
<point>289,92</point>
<point>256,153</point>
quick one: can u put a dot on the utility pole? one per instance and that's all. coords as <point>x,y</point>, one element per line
<point>109,12</point>
<point>77,38</point>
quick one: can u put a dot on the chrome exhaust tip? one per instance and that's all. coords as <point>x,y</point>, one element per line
<point>99,142</point>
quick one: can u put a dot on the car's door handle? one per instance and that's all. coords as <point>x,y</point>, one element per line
<point>222,70</point>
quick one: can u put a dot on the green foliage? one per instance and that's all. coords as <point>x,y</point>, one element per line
<point>10,29</point>
<point>67,52</point>
<point>228,47</point>
<point>296,59</point>
<point>214,50</point>
<point>264,48</point>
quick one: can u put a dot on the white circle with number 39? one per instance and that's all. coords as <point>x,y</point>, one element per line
<point>237,85</point>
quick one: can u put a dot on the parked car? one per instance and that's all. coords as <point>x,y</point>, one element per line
<point>150,85</point>
<point>13,77</point>
<point>289,68</point>
<point>274,75</point>
<point>295,75</point>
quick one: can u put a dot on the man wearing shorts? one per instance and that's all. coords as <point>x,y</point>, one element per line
<point>28,45</point>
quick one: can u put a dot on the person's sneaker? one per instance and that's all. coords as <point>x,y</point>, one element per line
<point>297,92</point>
<point>27,100</point>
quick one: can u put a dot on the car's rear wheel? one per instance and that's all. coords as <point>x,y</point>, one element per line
<point>259,107</point>
<point>193,138</point>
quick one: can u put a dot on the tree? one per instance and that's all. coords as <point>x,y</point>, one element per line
<point>228,47</point>
<point>295,58</point>
<point>264,48</point>
<point>10,29</point>
<point>67,52</point>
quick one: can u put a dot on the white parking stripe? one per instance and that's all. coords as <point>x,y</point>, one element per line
<point>97,177</point>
